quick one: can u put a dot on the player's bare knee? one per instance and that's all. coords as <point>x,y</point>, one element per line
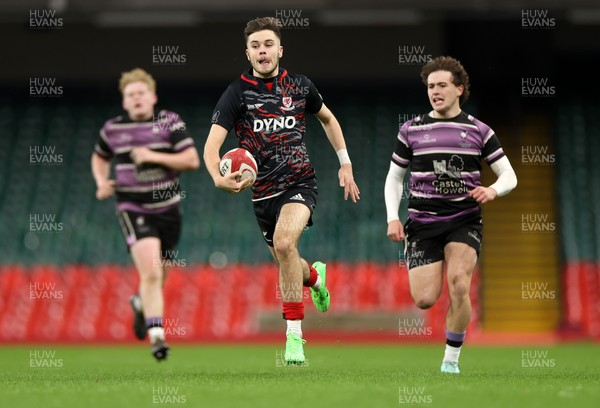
<point>423,301</point>
<point>424,304</point>
<point>152,276</point>
<point>284,247</point>
<point>459,290</point>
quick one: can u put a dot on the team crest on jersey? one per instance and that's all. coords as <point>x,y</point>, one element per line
<point>463,141</point>
<point>287,103</point>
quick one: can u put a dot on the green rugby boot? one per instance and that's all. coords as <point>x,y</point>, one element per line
<point>294,349</point>
<point>320,297</point>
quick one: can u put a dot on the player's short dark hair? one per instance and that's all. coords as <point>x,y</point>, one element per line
<point>459,74</point>
<point>262,23</point>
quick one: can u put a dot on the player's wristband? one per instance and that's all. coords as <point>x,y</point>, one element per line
<point>343,156</point>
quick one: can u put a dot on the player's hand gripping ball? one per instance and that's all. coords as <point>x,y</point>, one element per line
<point>239,160</point>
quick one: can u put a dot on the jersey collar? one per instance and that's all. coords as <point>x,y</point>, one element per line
<point>251,79</point>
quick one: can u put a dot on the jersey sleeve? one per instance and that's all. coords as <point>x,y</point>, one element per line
<point>403,154</point>
<point>314,102</point>
<point>102,147</point>
<point>492,150</point>
<point>180,137</point>
<point>228,109</point>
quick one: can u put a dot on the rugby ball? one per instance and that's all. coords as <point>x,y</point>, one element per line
<point>239,160</point>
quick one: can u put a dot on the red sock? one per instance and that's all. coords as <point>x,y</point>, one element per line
<point>312,278</point>
<point>293,310</point>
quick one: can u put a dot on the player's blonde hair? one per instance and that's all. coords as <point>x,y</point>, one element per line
<point>136,75</point>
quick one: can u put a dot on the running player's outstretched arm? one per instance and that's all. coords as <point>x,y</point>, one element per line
<point>182,161</point>
<point>393,196</point>
<point>216,138</point>
<point>506,182</point>
<point>101,172</point>
<point>394,186</point>
<point>334,133</point>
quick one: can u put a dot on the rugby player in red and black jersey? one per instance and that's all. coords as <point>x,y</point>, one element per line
<point>150,149</point>
<point>267,107</point>
<point>444,149</point>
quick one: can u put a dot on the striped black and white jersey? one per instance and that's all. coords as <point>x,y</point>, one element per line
<point>147,188</point>
<point>444,156</point>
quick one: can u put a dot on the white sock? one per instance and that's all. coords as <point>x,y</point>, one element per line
<point>317,284</point>
<point>294,326</point>
<point>156,333</point>
<point>137,303</point>
<point>451,354</point>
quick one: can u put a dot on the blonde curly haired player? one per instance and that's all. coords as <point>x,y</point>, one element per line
<point>150,148</point>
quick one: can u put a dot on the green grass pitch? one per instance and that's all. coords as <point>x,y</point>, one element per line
<point>45,376</point>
